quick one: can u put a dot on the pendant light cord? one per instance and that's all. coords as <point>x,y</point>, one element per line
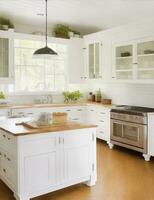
<point>46,24</point>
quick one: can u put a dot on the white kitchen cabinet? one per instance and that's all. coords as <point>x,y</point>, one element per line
<point>41,163</point>
<point>134,61</point>
<point>76,66</point>
<point>145,60</point>
<point>77,155</point>
<point>47,162</point>
<point>75,113</point>
<point>94,60</point>
<point>101,117</point>
<point>6,59</point>
<point>150,138</point>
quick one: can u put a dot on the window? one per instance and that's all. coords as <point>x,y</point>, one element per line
<point>34,75</point>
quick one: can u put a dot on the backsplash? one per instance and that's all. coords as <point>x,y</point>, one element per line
<point>121,93</point>
<point>29,99</point>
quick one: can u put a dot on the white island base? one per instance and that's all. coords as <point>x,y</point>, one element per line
<point>36,164</point>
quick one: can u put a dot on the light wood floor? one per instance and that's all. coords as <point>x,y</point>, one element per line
<point>122,175</point>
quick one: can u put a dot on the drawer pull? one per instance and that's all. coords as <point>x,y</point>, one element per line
<point>9,138</point>
<point>8,159</point>
<point>102,113</point>
<point>101,121</point>
<point>76,119</point>
<point>79,110</point>
<point>4,136</point>
<point>4,155</point>
<point>68,110</point>
<point>101,132</point>
<point>30,113</point>
<point>4,170</point>
<point>92,110</point>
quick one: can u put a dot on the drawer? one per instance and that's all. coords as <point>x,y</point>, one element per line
<point>7,158</point>
<point>7,141</point>
<point>7,172</point>
<point>39,145</point>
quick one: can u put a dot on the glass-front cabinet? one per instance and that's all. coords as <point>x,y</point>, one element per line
<point>5,60</point>
<point>124,62</point>
<point>4,57</point>
<point>145,60</point>
<point>94,60</point>
<point>134,61</point>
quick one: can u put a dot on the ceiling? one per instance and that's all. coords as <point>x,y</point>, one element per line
<point>85,15</point>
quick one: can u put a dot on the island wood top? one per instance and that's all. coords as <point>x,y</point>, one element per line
<point>10,126</point>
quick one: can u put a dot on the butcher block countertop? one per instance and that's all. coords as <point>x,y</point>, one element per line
<point>12,126</point>
<point>22,106</point>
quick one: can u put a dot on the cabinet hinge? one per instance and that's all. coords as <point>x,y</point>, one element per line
<point>93,167</point>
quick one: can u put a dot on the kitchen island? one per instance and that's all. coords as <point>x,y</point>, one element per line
<point>38,161</point>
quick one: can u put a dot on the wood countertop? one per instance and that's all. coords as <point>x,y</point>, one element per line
<point>22,106</point>
<point>10,126</point>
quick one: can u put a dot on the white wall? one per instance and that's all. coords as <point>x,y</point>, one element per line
<point>127,94</point>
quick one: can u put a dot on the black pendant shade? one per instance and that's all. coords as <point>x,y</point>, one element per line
<point>45,51</point>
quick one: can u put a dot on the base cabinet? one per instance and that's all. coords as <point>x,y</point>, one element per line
<point>50,161</point>
<point>100,117</point>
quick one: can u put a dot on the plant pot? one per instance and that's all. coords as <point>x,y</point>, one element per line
<point>71,34</point>
<point>60,35</point>
<point>77,35</point>
<point>11,30</point>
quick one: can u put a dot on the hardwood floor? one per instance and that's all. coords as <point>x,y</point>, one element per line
<point>122,175</point>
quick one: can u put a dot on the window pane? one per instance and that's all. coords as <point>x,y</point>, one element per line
<point>39,74</point>
<point>60,83</point>
<point>50,85</point>
<point>59,67</point>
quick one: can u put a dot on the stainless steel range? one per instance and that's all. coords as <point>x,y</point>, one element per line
<point>129,127</point>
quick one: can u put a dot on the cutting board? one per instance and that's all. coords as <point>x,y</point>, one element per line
<point>34,125</point>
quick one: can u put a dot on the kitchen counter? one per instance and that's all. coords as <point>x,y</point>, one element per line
<point>20,106</point>
<point>10,126</point>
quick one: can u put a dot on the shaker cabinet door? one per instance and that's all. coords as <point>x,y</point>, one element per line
<point>77,152</point>
<point>40,171</point>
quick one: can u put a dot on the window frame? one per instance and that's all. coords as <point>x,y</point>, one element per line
<point>38,38</point>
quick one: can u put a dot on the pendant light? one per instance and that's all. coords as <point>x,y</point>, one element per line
<point>45,51</point>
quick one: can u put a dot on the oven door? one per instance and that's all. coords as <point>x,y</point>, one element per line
<point>129,133</point>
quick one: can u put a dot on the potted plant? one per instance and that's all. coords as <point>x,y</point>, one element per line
<point>76,34</point>
<point>71,33</point>
<point>5,24</point>
<point>70,97</point>
<point>3,99</point>
<point>61,31</point>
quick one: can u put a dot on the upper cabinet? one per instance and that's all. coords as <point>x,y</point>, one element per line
<point>76,66</point>
<point>134,61</point>
<point>6,59</point>
<point>94,60</point>
<point>123,62</point>
<point>145,60</point>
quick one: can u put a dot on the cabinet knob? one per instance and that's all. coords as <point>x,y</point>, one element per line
<point>8,159</point>
<point>4,170</point>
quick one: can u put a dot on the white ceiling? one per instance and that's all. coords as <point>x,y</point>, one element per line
<point>86,15</point>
